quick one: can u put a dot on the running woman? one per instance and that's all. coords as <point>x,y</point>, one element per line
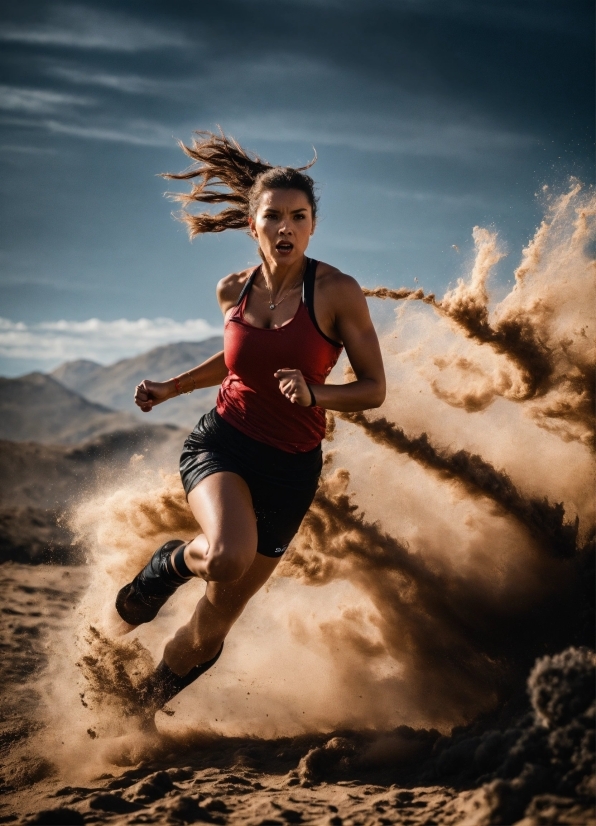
<point>251,466</point>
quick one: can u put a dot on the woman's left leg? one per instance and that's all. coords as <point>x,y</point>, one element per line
<point>202,637</point>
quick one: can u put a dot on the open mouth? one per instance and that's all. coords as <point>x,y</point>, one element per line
<point>284,246</point>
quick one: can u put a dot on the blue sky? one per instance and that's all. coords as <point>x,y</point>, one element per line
<point>428,117</point>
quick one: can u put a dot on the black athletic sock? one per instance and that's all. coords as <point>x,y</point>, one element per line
<point>176,563</point>
<point>164,684</point>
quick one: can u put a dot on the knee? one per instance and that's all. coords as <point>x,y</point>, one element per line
<point>222,561</point>
<point>223,565</point>
<point>219,560</point>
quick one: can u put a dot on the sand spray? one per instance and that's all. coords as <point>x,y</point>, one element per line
<point>444,551</point>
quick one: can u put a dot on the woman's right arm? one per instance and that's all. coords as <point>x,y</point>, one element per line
<point>208,374</point>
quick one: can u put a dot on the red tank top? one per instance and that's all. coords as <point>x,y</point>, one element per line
<point>249,398</point>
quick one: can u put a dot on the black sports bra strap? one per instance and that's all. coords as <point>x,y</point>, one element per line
<point>308,296</point>
<point>247,285</point>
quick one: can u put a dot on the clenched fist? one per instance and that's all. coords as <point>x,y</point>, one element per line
<point>149,393</point>
<point>293,386</point>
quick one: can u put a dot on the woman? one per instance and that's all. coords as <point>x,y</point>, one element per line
<point>251,466</point>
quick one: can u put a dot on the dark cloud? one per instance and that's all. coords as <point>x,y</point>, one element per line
<point>429,117</point>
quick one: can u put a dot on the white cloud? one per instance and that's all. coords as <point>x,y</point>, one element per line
<point>423,135</point>
<point>407,124</point>
<point>128,84</point>
<point>83,27</point>
<point>462,199</point>
<point>27,150</point>
<point>52,342</point>
<point>137,133</point>
<point>38,101</point>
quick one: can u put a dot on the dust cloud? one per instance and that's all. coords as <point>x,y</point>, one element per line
<point>448,547</point>
<point>542,326</point>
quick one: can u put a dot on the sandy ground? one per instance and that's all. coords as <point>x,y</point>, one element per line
<point>234,781</point>
<point>216,780</point>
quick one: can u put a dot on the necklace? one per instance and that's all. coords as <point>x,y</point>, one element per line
<point>272,304</point>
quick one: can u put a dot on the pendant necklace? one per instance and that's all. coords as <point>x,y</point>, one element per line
<point>272,304</point>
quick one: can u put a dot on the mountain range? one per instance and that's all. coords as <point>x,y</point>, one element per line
<point>64,431</point>
<point>39,482</point>
<point>37,407</point>
<point>114,385</point>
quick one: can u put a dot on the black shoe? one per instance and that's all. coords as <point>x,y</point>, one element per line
<point>163,684</point>
<point>141,599</point>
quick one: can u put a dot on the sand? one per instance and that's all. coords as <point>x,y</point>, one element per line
<point>227,780</point>
<point>209,778</point>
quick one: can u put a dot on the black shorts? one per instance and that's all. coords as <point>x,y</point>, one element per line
<point>282,485</point>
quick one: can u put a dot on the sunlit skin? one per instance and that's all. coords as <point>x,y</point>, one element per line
<point>224,554</point>
<point>342,312</point>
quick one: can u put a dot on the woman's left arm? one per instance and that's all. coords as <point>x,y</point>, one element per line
<point>355,329</point>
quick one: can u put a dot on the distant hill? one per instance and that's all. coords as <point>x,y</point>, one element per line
<point>37,407</point>
<point>38,483</point>
<point>114,384</point>
<point>66,471</point>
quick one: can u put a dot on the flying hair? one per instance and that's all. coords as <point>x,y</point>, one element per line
<point>223,172</point>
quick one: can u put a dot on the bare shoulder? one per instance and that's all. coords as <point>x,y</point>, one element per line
<point>230,287</point>
<point>334,285</point>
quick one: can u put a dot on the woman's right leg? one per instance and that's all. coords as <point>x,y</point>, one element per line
<point>222,505</point>
<point>225,556</point>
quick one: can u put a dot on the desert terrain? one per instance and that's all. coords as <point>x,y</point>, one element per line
<point>336,778</point>
<point>424,653</point>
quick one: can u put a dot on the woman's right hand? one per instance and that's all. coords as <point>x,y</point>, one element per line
<point>149,393</point>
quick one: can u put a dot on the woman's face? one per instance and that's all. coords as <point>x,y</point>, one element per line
<point>283,225</point>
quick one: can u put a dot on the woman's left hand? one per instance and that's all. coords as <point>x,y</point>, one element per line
<point>293,386</point>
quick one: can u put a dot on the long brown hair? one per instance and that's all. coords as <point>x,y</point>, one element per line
<point>239,178</point>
